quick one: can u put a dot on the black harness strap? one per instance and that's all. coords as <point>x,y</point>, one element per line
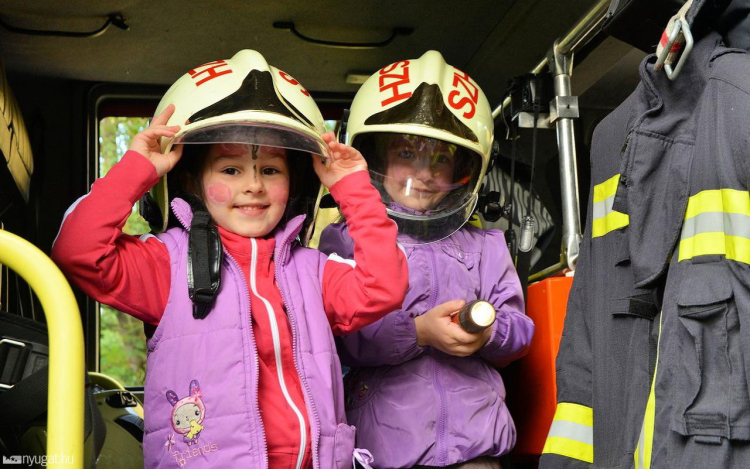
<point>205,254</point>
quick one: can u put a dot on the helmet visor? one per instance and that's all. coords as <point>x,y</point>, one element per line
<point>427,184</point>
<point>260,134</point>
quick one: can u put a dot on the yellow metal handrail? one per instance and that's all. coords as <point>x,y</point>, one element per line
<point>66,357</point>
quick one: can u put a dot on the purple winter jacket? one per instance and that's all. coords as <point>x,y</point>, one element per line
<point>210,366</point>
<point>416,405</point>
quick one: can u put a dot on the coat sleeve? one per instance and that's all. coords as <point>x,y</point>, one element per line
<point>388,341</point>
<point>513,330</point>
<point>569,442</point>
<point>129,273</point>
<point>363,289</point>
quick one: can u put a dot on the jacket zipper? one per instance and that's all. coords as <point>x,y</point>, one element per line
<point>256,405</point>
<point>277,354</point>
<point>441,446</point>
<point>315,430</point>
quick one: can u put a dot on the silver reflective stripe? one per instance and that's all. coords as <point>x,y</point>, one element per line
<point>731,224</point>
<point>604,207</point>
<point>572,431</point>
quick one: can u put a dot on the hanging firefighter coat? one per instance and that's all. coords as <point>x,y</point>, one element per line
<point>701,416</point>
<point>641,160</point>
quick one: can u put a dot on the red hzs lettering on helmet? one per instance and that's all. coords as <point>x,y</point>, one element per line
<point>399,79</point>
<point>288,78</point>
<point>211,71</point>
<point>462,78</point>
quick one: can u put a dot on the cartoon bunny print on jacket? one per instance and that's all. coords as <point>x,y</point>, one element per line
<point>188,413</point>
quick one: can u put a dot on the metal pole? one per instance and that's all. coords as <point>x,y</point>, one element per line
<point>586,28</point>
<point>560,62</point>
<point>565,105</point>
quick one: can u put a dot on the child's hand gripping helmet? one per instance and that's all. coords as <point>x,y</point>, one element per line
<point>239,100</point>
<point>426,131</point>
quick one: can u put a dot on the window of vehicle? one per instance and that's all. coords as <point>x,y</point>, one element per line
<point>122,342</point>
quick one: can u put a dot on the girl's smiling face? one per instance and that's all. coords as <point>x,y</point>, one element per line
<point>246,187</point>
<point>419,171</point>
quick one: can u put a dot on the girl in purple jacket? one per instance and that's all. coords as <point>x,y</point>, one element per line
<point>423,391</point>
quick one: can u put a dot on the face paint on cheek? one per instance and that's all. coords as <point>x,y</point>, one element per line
<point>218,193</point>
<point>281,195</point>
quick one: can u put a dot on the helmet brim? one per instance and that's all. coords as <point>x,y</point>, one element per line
<point>251,128</point>
<point>253,133</point>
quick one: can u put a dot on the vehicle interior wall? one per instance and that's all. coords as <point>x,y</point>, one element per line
<point>55,113</point>
<point>53,110</point>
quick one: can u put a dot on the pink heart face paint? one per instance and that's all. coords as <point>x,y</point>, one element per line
<point>246,187</point>
<point>218,193</point>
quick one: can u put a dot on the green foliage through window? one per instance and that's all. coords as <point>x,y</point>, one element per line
<point>122,342</point>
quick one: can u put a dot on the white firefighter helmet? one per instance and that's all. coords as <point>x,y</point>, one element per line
<point>239,100</point>
<point>426,131</point>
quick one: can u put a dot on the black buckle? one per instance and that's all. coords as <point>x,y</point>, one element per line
<point>10,371</point>
<point>205,254</point>
<point>19,359</point>
<point>490,207</point>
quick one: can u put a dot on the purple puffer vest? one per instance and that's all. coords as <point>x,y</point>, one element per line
<point>207,370</point>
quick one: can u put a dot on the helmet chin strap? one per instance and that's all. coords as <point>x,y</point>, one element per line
<point>205,254</point>
<point>149,210</point>
<point>344,124</point>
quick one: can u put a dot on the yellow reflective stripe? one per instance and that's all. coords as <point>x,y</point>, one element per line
<point>642,453</point>
<point>569,448</point>
<point>735,248</point>
<point>611,222</point>
<point>719,200</point>
<point>575,413</point>
<point>604,218</point>
<point>606,189</point>
<point>571,433</point>
<point>716,223</point>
